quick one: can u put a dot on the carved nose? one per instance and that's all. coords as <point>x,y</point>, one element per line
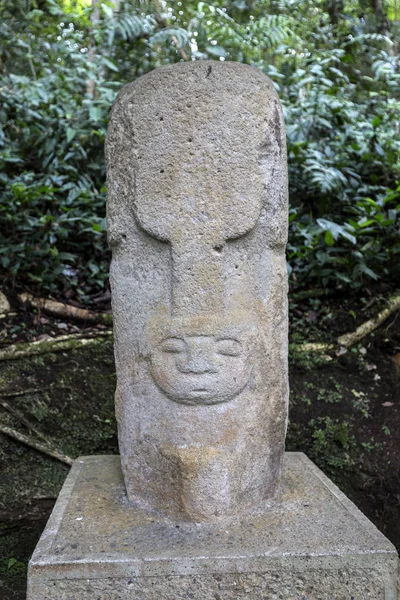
<point>196,365</point>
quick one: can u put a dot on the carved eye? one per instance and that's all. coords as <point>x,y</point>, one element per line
<point>229,347</point>
<point>173,346</point>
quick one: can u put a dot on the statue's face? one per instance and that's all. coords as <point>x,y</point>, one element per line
<point>201,369</point>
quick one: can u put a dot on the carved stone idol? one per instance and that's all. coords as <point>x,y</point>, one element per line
<point>197,217</point>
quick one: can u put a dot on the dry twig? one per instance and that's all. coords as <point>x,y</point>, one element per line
<point>18,414</point>
<point>32,443</point>
<point>179,48</point>
<point>22,393</point>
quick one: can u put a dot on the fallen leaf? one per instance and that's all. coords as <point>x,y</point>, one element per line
<point>370,366</point>
<point>357,394</point>
<point>326,357</point>
<point>342,350</point>
<point>387,404</point>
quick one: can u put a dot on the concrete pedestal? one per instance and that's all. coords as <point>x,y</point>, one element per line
<point>313,544</point>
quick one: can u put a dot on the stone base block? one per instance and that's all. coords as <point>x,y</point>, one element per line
<point>312,545</point>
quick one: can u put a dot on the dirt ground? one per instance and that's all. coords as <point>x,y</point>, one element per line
<point>344,413</point>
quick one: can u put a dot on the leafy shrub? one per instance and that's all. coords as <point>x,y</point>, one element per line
<point>60,71</point>
<point>332,445</point>
<point>52,181</point>
<point>365,246</point>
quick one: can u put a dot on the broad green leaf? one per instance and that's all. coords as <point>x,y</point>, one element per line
<point>71,133</point>
<point>216,51</point>
<point>329,239</point>
<point>109,64</point>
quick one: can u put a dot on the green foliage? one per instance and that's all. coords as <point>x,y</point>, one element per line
<point>365,246</point>
<point>332,443</point>
<point>61,65</point>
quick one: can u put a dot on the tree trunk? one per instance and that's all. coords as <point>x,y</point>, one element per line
<point>94,18</point>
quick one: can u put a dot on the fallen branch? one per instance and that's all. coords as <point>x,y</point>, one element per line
<point>32,443</point>
<point>57,344</point>
<point>66,311</point>
<point>22,393</point>
<point>349,339</point>
<point>312,347</point>
<point>72,341</point>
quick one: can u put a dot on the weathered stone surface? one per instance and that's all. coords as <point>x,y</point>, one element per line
<point>197,217</point>
<point>313,545</point>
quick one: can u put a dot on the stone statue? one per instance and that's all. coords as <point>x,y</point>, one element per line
<point>197,217</point>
